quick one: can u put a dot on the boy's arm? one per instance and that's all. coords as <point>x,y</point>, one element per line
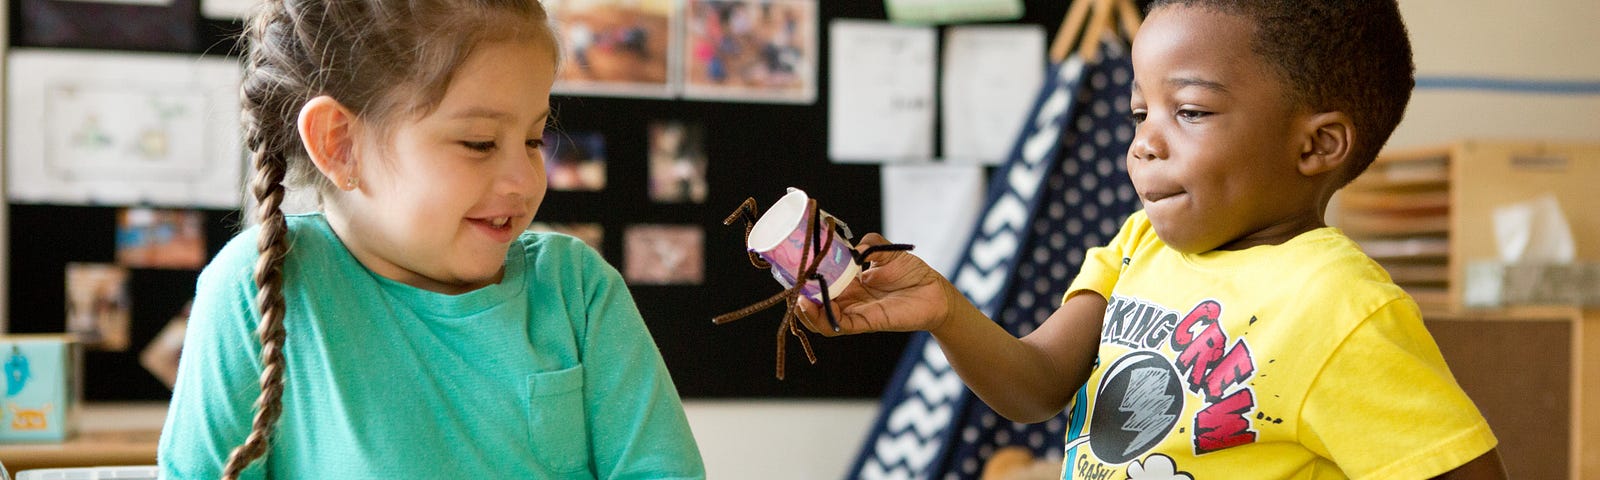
<point>1485,467</point>
<point>1026,380</point>
<point>1031,379</point>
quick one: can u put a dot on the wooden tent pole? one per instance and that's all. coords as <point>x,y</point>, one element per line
<point>1071,26</point>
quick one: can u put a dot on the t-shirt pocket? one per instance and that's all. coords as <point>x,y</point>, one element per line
<point>557,423</point>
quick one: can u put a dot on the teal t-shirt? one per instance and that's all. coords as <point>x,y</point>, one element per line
<point>550,373</point>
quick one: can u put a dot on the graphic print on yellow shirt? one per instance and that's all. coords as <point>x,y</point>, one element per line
<point>1141,395</point>
<point>1298,360</point>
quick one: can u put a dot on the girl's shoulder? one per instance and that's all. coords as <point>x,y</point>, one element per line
<point>563,256</point>
<point>553,246</point>
<point>309,230</point>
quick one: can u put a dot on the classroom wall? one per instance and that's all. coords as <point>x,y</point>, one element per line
<point>1486,69</point>
<point>1499,69</point>
<point>1527,45</point>
<point>5,22</point>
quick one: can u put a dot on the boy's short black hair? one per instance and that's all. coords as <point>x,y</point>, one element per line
<point>1352,56</point>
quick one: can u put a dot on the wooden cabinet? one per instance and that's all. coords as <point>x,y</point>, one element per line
<point>1427,213</point>
<point>1534,372</point>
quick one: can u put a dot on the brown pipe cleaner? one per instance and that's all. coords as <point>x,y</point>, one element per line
<point>819,238</point>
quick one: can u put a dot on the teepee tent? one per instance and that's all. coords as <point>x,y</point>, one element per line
<point>1064,189</point>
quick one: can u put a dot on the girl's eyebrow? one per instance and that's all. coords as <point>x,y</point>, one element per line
<point>493,114</point>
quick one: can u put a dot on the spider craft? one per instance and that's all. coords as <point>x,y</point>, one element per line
<point>812,239</point>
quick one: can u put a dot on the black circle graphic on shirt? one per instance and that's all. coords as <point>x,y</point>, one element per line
<point>1136,406</point>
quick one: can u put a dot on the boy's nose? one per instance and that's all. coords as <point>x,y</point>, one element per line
<point>1147,144</point>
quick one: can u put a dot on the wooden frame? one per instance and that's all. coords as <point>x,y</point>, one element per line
<point>1486,350</point>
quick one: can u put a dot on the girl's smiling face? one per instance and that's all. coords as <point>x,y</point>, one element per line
<point>1214,156</point>
<point>442,196</point>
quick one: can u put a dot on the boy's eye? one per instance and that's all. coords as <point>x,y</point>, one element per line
<point>1192,115</point>
<point>1137,116</point>
<point>481,147</point>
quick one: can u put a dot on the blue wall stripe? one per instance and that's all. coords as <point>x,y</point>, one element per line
<point>1511,85</point>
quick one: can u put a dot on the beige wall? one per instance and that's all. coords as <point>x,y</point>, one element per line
<point>1548,43</point>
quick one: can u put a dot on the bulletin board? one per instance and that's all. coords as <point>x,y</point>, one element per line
<point>752,150</point>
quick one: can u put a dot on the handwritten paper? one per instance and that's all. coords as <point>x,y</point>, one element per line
<point>881,94</point>
<point>932,206</point>
<point>991,75</point>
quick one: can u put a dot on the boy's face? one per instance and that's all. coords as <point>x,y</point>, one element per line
<point>1217,140</point>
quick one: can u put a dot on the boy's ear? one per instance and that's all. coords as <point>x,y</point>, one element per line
<point>1329,137</point>
<point>328,130</point>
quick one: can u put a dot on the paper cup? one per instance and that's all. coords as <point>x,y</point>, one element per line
<point>779,237</point>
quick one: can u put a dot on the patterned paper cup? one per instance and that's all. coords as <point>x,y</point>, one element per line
<point>779,237</point>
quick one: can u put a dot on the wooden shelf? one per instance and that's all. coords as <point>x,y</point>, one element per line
<point>108,434</point>
<point>1534,371</point>
<point>1421,211</point>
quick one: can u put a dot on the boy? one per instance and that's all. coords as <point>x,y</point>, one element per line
<point>1225,332</point>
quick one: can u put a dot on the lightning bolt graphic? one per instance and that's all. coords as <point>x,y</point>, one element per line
<point>1146,402</point>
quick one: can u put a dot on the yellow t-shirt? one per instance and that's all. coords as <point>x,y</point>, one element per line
<point>1300,360</point>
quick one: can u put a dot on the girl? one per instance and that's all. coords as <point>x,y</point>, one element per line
<point>410,328</point>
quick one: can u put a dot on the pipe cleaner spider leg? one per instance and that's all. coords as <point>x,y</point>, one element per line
<point>861,258</point>
<point>749,213</point>
<point>816,242</point>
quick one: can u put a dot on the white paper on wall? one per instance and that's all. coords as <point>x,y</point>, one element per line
<point>880,92</point>
<point>227,9</point>
<point>123,129</point>
<point>991,74</point>
<point>932,206</point>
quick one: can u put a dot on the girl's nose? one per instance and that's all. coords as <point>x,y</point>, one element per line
<point>523,171</point>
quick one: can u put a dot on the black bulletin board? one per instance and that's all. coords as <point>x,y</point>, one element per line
<point>754,150</point>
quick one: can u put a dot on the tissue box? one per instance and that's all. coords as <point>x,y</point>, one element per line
<point>1496,284</point>
<point>41,387</point>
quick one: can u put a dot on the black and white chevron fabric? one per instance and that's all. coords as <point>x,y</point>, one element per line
<point>1065,189</point>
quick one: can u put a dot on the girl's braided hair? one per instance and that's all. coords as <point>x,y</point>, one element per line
<point>385,60</point>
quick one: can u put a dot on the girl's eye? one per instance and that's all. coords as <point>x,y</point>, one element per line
<point>1192,115</point>
<point>481,147</point>
<point>535,143</point>
<point>1137,116</point>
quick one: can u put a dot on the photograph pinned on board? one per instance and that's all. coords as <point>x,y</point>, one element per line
<point>160,356</point>
<point>575,161</point>
<point>161,238</point>
<point>664,255</point>
<point>98,128</point>
<point>751,51</point>
<point>677,162</point>
<point>592,234</point>
<point>146,25</point>
<point>615,47</point>
<point>98,307</point>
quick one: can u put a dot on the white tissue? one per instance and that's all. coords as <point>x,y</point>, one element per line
<point>1533,231</point>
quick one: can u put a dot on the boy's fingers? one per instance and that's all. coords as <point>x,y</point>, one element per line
<point>807,311</point>
<point>871,239</point>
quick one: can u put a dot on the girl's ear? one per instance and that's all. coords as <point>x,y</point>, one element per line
<point>328,130</point>
<point>1329,137</point>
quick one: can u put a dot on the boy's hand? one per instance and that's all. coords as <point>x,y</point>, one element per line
<point>898,293</point>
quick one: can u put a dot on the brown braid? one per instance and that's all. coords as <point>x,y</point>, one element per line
<point>382,59</point>
<point>264,106</point>
<point>273,245</point>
